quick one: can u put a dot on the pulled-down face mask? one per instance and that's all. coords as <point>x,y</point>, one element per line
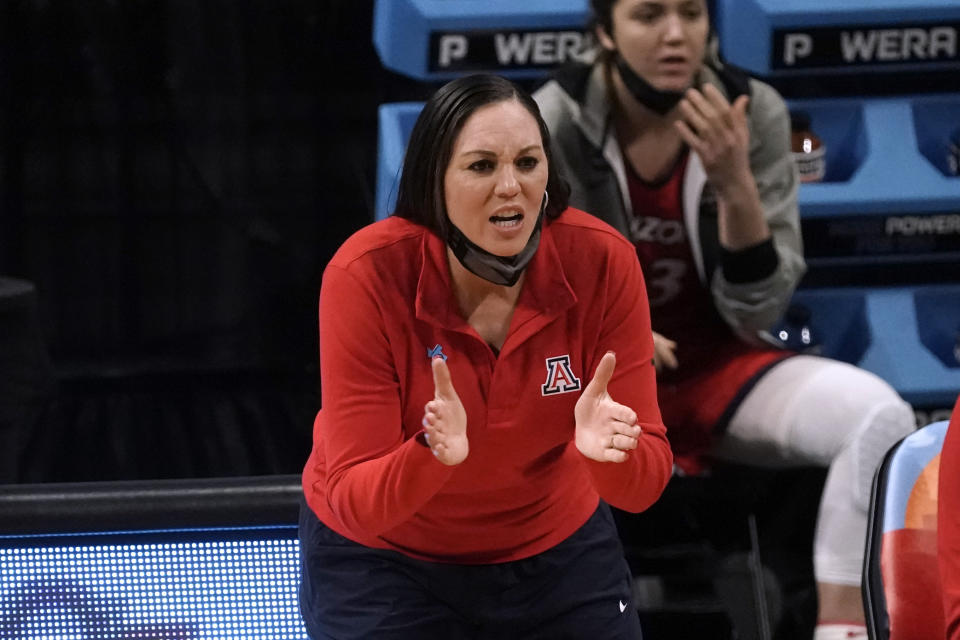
<point>502,270</point>
<point>659,101</point>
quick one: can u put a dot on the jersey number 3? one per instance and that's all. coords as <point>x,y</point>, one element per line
<point>665,279</point>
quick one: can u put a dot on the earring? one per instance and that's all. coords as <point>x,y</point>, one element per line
<point>546,200</point>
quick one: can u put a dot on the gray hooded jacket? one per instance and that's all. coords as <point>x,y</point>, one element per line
<point>577,111</point>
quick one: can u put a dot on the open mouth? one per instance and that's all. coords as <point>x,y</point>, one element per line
<point>673,63</point>
<point>507,222</point>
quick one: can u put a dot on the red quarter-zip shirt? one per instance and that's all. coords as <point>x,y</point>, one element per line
<point>386,306</point>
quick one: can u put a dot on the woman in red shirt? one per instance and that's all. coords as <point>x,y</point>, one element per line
<point>488,388</point>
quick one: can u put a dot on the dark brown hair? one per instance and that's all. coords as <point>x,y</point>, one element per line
<point>420,194</point>
<point>602,14</point>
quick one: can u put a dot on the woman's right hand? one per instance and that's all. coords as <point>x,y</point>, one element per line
<point>663,352</point>
<point>444,418</point>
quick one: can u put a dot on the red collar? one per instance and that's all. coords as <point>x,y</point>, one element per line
<point>546,292</point>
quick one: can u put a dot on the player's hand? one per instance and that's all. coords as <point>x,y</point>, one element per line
<point>664,352</point>
<point>444,418</point>
<point>718,132</point>
<point>606,430</point>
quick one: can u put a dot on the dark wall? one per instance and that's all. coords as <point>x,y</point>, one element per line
<point>174,177</point>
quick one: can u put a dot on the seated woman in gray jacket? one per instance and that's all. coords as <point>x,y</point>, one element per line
<point>691,162</point>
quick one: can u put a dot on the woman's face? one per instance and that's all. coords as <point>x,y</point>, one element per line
<point>661,40</point>
<point>496,178</point>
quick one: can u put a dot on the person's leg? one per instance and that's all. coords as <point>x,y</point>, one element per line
<point>809,410</point>
<point>579,590</point>
<point>349,591</point>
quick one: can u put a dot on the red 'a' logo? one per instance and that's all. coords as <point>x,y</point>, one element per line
<point>560,378</point>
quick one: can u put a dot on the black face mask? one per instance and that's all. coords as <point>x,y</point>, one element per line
<point>502,270</point>
<point>659,101</point>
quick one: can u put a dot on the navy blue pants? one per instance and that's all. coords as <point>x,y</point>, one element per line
<point>578,590</point>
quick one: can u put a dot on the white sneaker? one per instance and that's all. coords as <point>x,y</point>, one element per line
<point>840,632</point>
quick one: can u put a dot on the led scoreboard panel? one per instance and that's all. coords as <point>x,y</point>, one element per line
<point>165,560</point>
<point>210,585</point>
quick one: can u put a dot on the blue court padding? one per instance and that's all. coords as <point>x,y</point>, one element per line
<point>440,39</point>
<point>884,155</point>
<point>887,166</point>
<point>771,37</point>
<point>912,456</point>
<point>395,121</point>
<point>906,335</point>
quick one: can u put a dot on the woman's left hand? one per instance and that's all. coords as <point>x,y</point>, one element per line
<point>606,430</point>
<point>718,132</point>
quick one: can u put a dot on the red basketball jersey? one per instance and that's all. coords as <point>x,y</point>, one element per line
<point>715,367</point>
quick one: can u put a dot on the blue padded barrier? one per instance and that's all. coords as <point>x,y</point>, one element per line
<point>784,37</point>
<point>906,335</point>
<point>886,216</point>
<point>888,197</point>
<point>884,155</point>
<point>440,39</point>
<point>395,121</point>
<point>437,39</point>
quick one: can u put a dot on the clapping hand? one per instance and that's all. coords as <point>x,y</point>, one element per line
<point>606,430</point>
<point>444,418</point>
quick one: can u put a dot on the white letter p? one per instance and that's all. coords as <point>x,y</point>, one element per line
<point>796,45</point>
<point>452,47</point>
